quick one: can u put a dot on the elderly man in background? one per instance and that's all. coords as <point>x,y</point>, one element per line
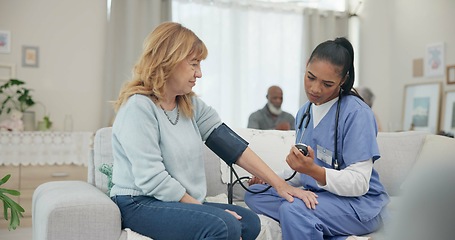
<point>271,116</point>
<point>368,97</point>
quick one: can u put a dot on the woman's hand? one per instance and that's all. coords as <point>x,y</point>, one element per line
<point>253,164</point>
<point>189,199</point>
<point>238,217</point>
<point>288,192</point>
<point>255,180</point>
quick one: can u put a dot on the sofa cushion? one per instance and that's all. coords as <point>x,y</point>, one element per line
<point>436,151</point>
<point>73,210</point>
<point>272,146</point>
<point>399,151</point>
<point>426,206</point>
<point>102,145</point>
<point>213,173</point>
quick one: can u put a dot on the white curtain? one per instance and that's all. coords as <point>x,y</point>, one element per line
<point>129,22</point>
<point>252,47</point>
<point>319,26</point>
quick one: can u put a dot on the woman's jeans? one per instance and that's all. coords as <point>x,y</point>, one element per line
<point>174,220</point>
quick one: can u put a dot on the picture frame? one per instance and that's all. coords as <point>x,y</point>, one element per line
<point>448,112</point>
<point>5,41</point>
<point>422,107</point>
<point>450,74</point>
<point>7,71</point>
<point>434,60</point>
<point>30,56</point>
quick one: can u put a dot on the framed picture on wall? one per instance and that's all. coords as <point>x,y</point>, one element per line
<point>448,113</point>
<point>7,71</point>
<point>422,107</point>
<point>30,56</point>
<point>434,60</point>
<point>5,41</point>
<point>450,74</point>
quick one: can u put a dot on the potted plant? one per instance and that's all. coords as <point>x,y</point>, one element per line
<point>15,210</point>
<point>16,96</point>
<point>13,95</point>
<point>46,123</point>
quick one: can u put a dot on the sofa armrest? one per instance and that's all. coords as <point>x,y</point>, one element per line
<point>74,210</point>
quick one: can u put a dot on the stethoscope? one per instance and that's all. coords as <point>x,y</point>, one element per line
<point>307,115</point>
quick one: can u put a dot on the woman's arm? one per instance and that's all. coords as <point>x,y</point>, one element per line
<point>254,164</point>
<point>189,199</point>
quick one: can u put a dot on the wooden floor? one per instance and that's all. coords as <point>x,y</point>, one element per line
<point>18,234</point>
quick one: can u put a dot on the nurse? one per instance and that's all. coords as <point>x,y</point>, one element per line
<point>340,131</point>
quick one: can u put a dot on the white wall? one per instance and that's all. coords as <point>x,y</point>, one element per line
<point>70,36</point>
<point>393,33</point>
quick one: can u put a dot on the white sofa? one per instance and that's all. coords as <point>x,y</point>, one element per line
<point>82,210</point>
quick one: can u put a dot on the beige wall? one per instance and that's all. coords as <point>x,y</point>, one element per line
<point>71,37</point>
<point>393,33</point>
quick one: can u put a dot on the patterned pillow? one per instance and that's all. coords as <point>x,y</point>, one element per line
<point>106,169</point>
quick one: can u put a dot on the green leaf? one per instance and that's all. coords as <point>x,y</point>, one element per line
<point>16,82</point>
<point>10,192</point>
<point>5,179</point>
<point>5,211</point>
<point>15,210</point>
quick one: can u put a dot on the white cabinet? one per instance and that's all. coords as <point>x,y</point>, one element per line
<point>33,158</point>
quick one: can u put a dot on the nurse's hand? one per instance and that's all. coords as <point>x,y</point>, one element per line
<point>300,163</point>
<point>305,164</point>
<point>255,180</point>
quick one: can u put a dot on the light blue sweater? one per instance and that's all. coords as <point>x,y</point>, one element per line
<point>155,158</point>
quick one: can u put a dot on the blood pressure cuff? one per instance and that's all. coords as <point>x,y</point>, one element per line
<point>226,144</point>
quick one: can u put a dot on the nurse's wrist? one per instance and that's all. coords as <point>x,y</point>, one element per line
<point>318,173</point>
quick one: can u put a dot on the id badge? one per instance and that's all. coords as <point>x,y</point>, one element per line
<point>324,155</point>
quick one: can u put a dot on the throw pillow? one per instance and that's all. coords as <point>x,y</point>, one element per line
<point>437,152</point>
<point>106,169</point>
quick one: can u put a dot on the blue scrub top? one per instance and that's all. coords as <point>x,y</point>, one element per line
<point>357,131</point>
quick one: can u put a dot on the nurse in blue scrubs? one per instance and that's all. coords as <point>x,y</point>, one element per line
<point>345,196</point>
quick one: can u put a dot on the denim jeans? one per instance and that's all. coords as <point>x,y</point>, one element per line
<point>174,220</point>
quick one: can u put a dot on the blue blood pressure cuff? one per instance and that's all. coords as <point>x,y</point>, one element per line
<point>226,144</point>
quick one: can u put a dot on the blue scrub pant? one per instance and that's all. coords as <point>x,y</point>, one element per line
<point>333,218</point>
<point>174,220</point>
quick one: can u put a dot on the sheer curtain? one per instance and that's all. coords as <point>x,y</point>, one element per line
<point>128,24</point>
<point>249,50</point>
<point>319,26</point>
<point>252,47</point>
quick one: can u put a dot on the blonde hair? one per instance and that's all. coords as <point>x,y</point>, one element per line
<point>165,47</point>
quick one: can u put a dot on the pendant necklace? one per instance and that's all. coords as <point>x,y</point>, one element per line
<point>168,118</point>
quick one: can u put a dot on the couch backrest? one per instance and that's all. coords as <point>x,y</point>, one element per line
<point>271,145</point>
<point>399,152</point>
<point>259,140</point>
<point>102,154</point>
